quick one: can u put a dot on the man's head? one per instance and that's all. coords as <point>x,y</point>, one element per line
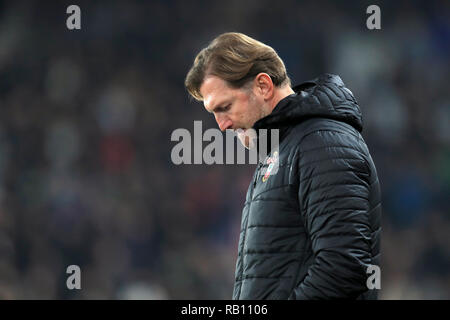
<point>239,79</point>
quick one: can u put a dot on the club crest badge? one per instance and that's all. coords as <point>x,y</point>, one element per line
<point>272,162</point>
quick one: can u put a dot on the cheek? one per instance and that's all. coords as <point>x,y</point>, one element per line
<point>254,110</point>
<point>239,113</point>
<point>246,112</point>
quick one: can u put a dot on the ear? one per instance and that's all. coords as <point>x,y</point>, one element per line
<point>264,86</point>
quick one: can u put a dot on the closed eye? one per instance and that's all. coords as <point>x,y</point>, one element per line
<point>222,109</point>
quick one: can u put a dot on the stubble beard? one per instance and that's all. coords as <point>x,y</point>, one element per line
<point>248,137</point>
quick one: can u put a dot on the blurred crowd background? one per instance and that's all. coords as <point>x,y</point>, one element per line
<point>86,116</point>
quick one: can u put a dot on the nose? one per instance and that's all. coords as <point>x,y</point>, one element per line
<point>223,122</point>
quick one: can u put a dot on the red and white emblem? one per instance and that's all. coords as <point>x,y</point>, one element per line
<point>271,161</point>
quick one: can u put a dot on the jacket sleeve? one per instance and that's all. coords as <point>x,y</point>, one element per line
<point>334,201</point>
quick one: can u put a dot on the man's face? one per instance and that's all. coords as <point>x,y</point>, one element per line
<point>233,108</point>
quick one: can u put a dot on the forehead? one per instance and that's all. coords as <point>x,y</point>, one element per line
<point>215,91</point>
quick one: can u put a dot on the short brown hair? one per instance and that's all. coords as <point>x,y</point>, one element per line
<point>237,59</point>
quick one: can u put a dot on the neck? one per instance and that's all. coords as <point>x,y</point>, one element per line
<point>280,94</point>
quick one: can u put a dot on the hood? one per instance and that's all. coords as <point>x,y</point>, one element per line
<point>324,97</point>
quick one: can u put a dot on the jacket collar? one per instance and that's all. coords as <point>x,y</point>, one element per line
<point>324,97</point>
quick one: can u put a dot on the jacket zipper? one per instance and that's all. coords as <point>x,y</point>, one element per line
<point>255,180</point>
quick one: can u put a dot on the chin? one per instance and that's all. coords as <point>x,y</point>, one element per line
<point>247,137</point>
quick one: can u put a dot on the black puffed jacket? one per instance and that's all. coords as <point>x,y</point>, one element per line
<point>312,229</point>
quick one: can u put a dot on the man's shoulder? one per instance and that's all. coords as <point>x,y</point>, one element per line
<point>302,130</point>
<point>317,135</point>
<point>325,78</point>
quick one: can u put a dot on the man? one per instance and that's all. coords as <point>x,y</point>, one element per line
<point>311,230</point>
